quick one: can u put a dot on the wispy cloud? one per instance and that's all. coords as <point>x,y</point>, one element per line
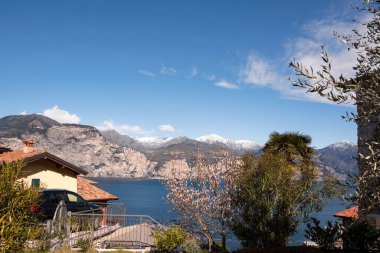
<point>24,113</point>
<point>210,77</point>
<point>259,71</point>
<point>168,71</point>
<point>226,85</point>
<point>123,129</point>
<point>166,128</point>
<point>193,72</point>
<point>307,49</point>
<point>146,73</point>
<point>61,115</point>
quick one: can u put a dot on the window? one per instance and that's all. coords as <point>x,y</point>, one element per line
<point>36,182</point>
<point>74,198</point>
<point>56,197</point>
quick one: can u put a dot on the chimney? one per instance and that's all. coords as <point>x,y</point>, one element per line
<point>28,146</point>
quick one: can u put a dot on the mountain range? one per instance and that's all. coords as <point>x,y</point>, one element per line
<point>110,154</point>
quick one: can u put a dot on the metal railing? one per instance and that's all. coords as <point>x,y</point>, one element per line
<point>112,207</point>
<point>111,230</point>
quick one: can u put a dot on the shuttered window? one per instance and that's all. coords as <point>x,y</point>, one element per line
<point>36,182</point>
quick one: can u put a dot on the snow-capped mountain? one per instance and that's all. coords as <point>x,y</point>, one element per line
<point>339,157</point>
<point>342,145</point>
<point>110,154</point>
<point>153,142</point>
<point>238,145</point>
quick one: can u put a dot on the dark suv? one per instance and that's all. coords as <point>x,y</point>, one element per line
<point>74,203</point>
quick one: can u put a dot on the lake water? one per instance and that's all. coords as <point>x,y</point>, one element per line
<point>147,196</point>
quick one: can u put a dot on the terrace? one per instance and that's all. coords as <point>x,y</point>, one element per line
<point>114,230</point>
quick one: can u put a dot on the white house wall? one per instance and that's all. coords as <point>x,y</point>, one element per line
<point>50,174</point>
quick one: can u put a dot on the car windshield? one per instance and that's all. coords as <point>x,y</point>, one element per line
<point>75,198</point>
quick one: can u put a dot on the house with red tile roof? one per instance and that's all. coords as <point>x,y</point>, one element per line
<point>349,215</point>
<point>88,190</point>
<point>43,169</point>
<point>91,193</point>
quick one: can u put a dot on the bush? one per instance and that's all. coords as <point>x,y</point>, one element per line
<point>84,244</point>
<point>18,224</point>
<point>324,237</point>
<point>169,239</point>
<point>191,246</point>
<point>360,236</point>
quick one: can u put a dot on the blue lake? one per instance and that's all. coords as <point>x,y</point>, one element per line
<point>147,196</point>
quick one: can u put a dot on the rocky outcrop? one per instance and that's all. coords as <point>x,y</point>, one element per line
<point>338,159</point>
<point>81,145</point>
<point>109,154</point>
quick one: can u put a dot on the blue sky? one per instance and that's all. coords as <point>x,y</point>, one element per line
<point>169,68</point>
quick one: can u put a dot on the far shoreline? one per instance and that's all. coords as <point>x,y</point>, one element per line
<point>129,178</point>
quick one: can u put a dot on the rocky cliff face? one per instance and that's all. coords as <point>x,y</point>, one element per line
<point>109,154</point>
<point>167,149</point>
<point>338,159</point>
<point>81,145</point>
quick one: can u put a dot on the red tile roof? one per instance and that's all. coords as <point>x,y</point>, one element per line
<point>351,213</point>
<point>19,155</point>
<point>88,190</point>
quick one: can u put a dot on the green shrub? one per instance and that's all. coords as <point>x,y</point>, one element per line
<point>191,246</point>
<point>18,223</point>
<point>323,236</point>
<point>84,244</point>
<point>169,239</point>
<point>360,236</point>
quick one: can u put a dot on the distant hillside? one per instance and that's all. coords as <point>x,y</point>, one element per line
<point>81,145</point>
<point>19,125</point>
<point>110,154</point>
<point>339,157</point>
<point>161,150</point>
<point>122,140</point>
<point>239,145</point>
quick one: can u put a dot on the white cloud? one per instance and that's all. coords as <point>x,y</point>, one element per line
<point>166,128</point>
<point>258,71</point>
<point>226,85</point>
<point>60,115</point>
<point>168,71</point>
<point>306,49</point>
<point>146,73</point>
<point>23,113</point>
<point>308,52</point>
<point>123,129</point>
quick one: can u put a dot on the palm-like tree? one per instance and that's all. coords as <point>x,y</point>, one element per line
<point>293,145</point>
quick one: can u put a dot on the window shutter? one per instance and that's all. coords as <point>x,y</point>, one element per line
<point>36,182</point>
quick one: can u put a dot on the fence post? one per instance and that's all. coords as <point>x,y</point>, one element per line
<point>68,227</point>
<point>141,230</point>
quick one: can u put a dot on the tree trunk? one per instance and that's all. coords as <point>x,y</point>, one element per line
<point>224,241</point>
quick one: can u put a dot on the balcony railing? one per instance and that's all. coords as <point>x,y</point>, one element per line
<point>107,231</point>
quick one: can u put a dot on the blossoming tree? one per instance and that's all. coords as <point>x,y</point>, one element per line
<point>201,196</point>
